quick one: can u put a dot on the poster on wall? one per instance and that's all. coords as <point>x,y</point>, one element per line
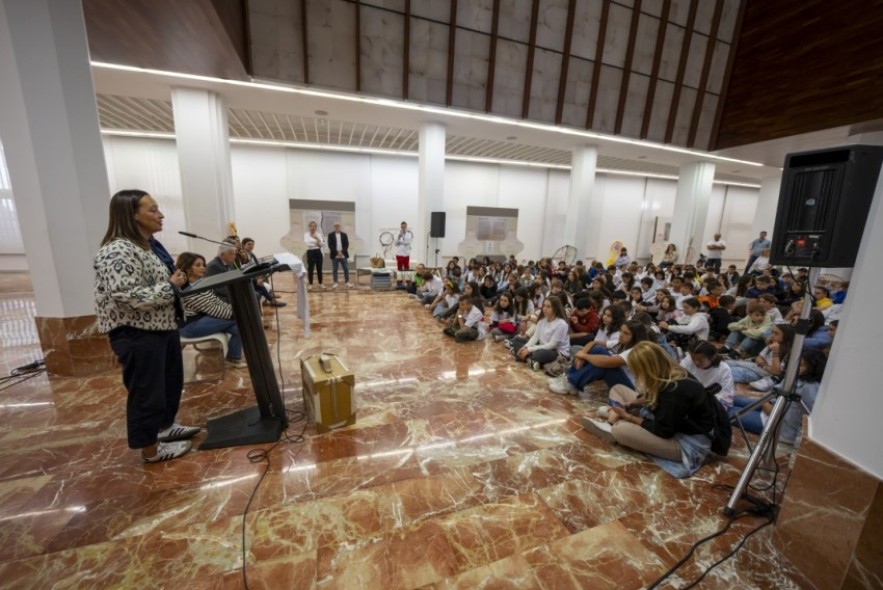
<point>491,232</point>
<point>325,214</point>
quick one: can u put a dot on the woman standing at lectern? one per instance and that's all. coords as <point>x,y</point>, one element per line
<point>137,304</point>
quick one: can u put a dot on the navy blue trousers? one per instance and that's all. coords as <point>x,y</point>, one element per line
<point>153,372</point>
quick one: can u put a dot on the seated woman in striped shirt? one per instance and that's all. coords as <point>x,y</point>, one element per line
<point>205,313</point>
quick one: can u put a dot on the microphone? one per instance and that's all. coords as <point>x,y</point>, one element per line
<point>190,235</point>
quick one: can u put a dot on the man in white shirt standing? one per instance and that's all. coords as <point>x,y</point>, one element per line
<point>716,249</point>
<point>403,248</point>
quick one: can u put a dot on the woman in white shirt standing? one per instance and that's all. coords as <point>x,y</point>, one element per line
<point>314,241</point>
<point>550,340</point>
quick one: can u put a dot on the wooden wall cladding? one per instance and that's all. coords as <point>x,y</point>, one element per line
<point>802,66</point>
<point>166,35</point>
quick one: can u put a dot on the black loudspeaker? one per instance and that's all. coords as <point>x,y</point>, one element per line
<point>437,224</point>
<point>823,206</point>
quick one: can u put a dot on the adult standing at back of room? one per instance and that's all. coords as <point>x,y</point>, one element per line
<point>403,248</point>
<point>756,248</point>
<point>339,243</point>
<point>314,241</point>
<point>137,305</point>
<point>716,249</point>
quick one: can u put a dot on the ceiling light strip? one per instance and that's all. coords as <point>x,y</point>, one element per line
<point>447,112</point>
<point>408,154</point>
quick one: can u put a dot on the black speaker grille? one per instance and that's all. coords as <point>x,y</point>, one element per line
<point>816,191</point>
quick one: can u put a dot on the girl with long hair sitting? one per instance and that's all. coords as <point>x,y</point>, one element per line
<point>550,340</point>
<point>768,367</point>
<point>809,377</point>
<point>704,363</point>
<point>668,415</point>
<point>595,362</point>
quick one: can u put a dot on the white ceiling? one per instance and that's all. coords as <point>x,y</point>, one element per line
<point>139,100</point>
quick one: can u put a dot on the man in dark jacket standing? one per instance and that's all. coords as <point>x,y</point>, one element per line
<point>338,244</point>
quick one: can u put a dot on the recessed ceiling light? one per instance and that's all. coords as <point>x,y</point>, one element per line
<point>512,138</point>
<point>321,113</point>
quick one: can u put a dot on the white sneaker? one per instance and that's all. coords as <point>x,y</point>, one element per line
<point>168,450</point>
<point>349,285</point>
<point>600,429</point>
<point>762,384</point>
<point>536,366</point>
<point>334,286</point>
<point>562,386</point>
<point>177,432</point>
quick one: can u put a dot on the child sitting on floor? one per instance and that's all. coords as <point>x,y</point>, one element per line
<point>469,323</point>
<point>747,335</point>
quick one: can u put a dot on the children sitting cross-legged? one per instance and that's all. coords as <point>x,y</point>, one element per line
<point>746,335</point>
<point>704,363</point>
<point>469,323</point>
<point>504,324</point>
<point>670,419</point>
<point>768,367</point>
<point>446,300</point>
<point>809,376</point>
<point>692,324</point>
<point>550,340</point>
<point>720,318</point>
<point>583,322</point>
<point>595,361</point>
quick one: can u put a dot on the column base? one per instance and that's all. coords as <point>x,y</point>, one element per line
<point>73,347</point>
<point>830,522</point>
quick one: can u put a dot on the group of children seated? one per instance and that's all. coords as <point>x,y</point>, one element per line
<point>582,324</point>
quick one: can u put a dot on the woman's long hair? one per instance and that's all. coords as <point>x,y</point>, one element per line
<point>520,307</point>
<point>121,222</point>
<point>557,306</point>
<point>654,370</point>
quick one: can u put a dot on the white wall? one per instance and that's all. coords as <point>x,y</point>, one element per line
<point>385,192</point>
<point>846,416</point>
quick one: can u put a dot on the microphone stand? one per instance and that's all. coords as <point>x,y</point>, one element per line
<point>190,235</point>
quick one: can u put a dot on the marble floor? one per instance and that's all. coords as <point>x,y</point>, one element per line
<point>462,471</point>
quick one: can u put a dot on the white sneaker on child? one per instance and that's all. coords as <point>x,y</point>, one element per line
<point>762,384</point>
<point>562,386</point>
<point>536,366</point>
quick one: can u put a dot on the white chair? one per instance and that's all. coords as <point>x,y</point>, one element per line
<point>212,340</point>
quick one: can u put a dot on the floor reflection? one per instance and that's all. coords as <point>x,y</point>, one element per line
<point>462,470</point>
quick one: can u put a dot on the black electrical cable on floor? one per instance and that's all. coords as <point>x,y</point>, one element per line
<point>728,555</point>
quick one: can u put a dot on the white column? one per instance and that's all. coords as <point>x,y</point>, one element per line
<point>204,160</point>
<point>49,126</point>
<point>691,209</point>
<point>583,221</point>
<point>430,189</point>
<point>765,214</point>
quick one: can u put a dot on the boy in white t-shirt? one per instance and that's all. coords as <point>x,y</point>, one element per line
<point>469,324</point>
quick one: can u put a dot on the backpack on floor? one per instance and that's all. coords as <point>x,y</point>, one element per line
<point>722,435</point>
<point>722,431</point>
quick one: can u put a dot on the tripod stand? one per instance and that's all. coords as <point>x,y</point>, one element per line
<point>769,438</point>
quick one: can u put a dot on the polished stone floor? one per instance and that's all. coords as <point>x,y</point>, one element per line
<point>462,471</point>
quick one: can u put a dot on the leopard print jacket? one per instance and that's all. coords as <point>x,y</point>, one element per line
<point>132,288</point>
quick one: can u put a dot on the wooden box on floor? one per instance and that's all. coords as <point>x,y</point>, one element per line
<point>328,395</point>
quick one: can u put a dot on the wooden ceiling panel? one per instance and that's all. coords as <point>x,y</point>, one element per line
<point>163,34</point>
<point>594,64</point>
<point>803,66</point>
